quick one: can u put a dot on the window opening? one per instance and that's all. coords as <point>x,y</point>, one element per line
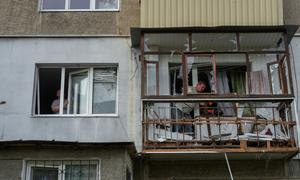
<point>62,170</point>
<point>200,74</point>
<point>84,90</point>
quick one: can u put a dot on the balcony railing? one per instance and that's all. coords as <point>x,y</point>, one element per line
<point>221,127</point>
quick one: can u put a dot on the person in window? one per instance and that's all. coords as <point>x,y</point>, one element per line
<point>55,103</point>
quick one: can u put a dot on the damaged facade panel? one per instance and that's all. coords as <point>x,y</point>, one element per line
<point>191,13</point>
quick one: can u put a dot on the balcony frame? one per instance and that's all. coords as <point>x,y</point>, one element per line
<point>285,98</point>
<point>284,52</point>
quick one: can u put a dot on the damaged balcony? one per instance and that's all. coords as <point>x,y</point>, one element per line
<point>218,127</point>
<point>217,90</point>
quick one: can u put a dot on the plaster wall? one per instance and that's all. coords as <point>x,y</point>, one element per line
<point>17,66</point>
<point>112,160</point>
<point>24,18</point>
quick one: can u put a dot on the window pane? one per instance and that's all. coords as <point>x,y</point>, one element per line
<point>78,92</point>
<point>104,90</point>
<point>53,4</point>
<point>79,4</point>
<point>261,41</point>
<point>80,172</point>
<point>39,173</point>
<point>106,4</point>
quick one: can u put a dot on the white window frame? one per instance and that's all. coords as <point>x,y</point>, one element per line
<point>26,173</point>
<point>62,86</point>
<point>67,7</point>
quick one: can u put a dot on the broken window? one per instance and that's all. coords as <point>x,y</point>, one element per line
<point>62,169</point>
<point>231,74</point>
<point>84,91</point>
<point>80,5</point>
<point>210,42</point>
<point>170,42</point>
<point>261,81</point>
<point>261,41</point>
<point>200,74</point>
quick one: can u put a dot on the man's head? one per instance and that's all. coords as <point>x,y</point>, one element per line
<point>200,87</point>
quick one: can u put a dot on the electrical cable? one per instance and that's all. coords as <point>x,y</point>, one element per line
<point>136,68</point>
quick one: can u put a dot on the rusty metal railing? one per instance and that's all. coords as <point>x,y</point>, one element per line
<point>217,125</point>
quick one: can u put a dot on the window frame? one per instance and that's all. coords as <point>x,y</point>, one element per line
<point>212,58</point>
<point>27,167</point>
<point>67,8</point>
<point>36,92</point>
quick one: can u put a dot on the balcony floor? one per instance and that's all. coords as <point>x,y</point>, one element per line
<point>214,154</point>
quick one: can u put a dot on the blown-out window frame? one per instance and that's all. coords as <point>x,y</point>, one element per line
<point>283,50</point>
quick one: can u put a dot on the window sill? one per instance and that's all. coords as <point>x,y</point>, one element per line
<point>79,10</point>
<point>76,116</point>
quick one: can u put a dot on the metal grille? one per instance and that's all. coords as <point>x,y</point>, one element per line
<point>62,170</point>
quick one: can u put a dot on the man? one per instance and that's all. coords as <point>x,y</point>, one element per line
<point>200,87</point>
<point>56,102</point>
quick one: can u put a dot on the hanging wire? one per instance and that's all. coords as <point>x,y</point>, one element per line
<point>228,166</point>
<point>136,63</point>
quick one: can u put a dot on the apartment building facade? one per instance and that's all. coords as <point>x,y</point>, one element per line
<point>78,50</point>
<point>128,72</point>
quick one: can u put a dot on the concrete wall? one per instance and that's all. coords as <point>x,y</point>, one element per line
<point>217,170</point>
<point>295,64</point>
<point>17,65</point>
<point>22,17</point>
<point>112,160</point>
<point>291,11</point>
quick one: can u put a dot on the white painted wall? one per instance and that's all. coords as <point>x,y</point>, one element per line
<point>17,64</point>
